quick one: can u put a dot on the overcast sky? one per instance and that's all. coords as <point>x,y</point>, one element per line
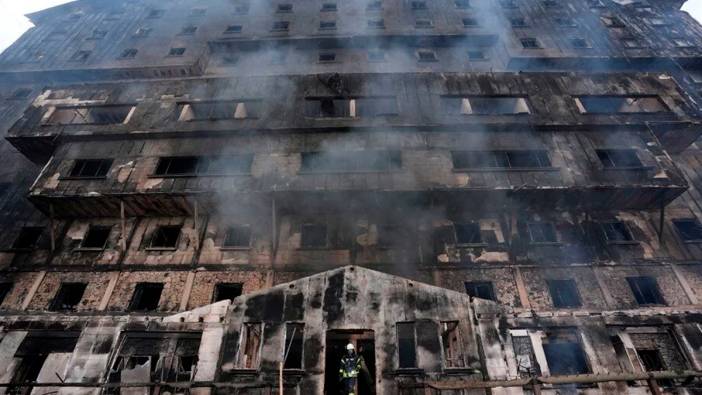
<point>13,23</point>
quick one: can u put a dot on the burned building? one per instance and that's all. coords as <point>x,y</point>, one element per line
<point>483,196</point>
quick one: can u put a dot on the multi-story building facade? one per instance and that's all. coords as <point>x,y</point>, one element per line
<point>214,197</point>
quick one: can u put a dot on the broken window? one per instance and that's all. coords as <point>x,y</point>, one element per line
<point>376,23</point>
<point>154,357</point>
<point>468,233</point>
<point>129,53</point>
<point>184,165</point>
<point>564,293</point>
<point>620,104</point>
<point>96,237</point>
<point>500,159</point>
<point>327,25</point>
<point>238,236</point>
<point>452,344</point>
<point>426,56</point>
<point>327,57</point>
<point>98,34</point>
<point>180,51</point>
<point>564,354</point>
<point>250,345</point>
<point>68,297</point>
<point>80,56</point>
<point>480,289</point>
<point>314,236</point>
<point>27,238</point>
<point>406,345</point>
<point>5,289</point>
<point>542,232</point>
<point>215,165</point>
<point>294,334</point>
<point>328,7</point>
<point>530,43</point>
<point>188,30</point>
<point>485,105</point>
<point>657,349</point>
<point>90,115</point>
<point>232,29</point>
<point>351,161</point>
<point>216,110</point>
<point>281,26</point>
<point>527,365</point>
<point>146,297</point>
<point>165,237</point>
<point>690,230</point>
<point>645,290</point>
<point>616,232</point>
<point>618,158</point>
<point>32,354</point>
<point>90,168</point>
<point>227,291</point>
<point>423,24</point>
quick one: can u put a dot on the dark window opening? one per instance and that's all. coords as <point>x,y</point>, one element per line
<point>468,233</point>
<point>426,56</point>
<point>530,43</point>
<point>389,235</point>
<point>27,238</point>
<point>154,14</point>
<point>406,345</point>
<point>564,293</point>
<point>91,168</point>
<point>651,360</point>
<point>281,25</point>
<point>294,334</point>
<point>500,159</point>
<point>80,56</point>
<point>184,165</point>
<point>423,24</point>
<point>5,289</point>
<point>690,230</point>
<point>96,237</point>
<point>618,158</point>
<point>192,165</point>
<point>518,22</point>
<point>129,53</point>
<point>329,7</point>
<point>231,29</point>
<point>564,355</point>
<point>285,7</point>
<point>327,25</point>
<point>485,105</point>
<point>374,6</point>
<point>237,237</point>
<point>314,236</point>
<point>227,291</point>
<point>188,30</point>
<point>579,43</point>
<point>419,5</point>
<point>527,365</point>
<point>351,161</point>
<point>250,350</point>
<point>470,22</point>
<point>613,22</point>
<point>476,55</point>
<point>620,104</point>
<point>146,297</point>
<point>645,290</point>
<point>462,4</point>
<point>376,24</point>
<point>95,115</point>
<point>165,237</point>
<point>565,22</point>
<point>68,297</point>
<point>616,232</point>
<point>176,52</point>
<point>223,109</point>
<point>98,34</point>
<point>480,289</point>
<point>542,232</point>
<point>327,57</point>
<point>452,344</point>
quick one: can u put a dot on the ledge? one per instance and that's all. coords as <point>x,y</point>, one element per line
<point>505,170</point>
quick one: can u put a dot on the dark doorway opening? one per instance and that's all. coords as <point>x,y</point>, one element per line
<point>364,341</point>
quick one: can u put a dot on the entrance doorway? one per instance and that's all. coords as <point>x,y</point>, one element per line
<point>364,341</point>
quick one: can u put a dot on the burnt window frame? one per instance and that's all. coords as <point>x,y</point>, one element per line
<point>418,5</point>
<point>581,355</point>
<point>227,234</point>
<point>564,293</point>
<point>328,7</point>
<point>213,108</point>
<point>136,303</point>
<point>219,287</point>
<point>376,23</point>
<point>580,43</point>
<point>288,348</point>
<point>127,109</point>
<point>314,246</point>
<point>426,56</point>
<point>480,103</point>
<point>530,43</point>
<point>280,26</point>
<point>423,23</point>
<point>327,57</point>
<point>518,22</point>
<point>79,167</point>
<point>581,106</point>
<point>284,8</point>
<point>38,233</point>
<point>552,230</point>
<point>157,233</point>
<point>188,30</point>
<point>64,292</point>
<point>234,29</point>
<point>128,53</point>
<point>610,159</point>
<point>681,233</point>
<point>476,231</point>
<point>478,289</point>
<point>327,25</point>
<point>445,345</point>
<point>176,52</point>
<point>5,290</point>
<point>613,228</point>
<point>502,160</point>
<point>87,236</point>
<point>200,166</point>
<point>414,357</point>
<point>470,22</point>
<point>240,364</point>
<point>654,297</point>
<point>80,56</point>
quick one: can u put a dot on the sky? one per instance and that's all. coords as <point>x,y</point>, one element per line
<point>13,23</point>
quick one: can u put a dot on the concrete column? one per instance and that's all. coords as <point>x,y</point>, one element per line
<point>114,276</point>
<point>33,289</point>
<point>521,288</point>
<point>187,291</point>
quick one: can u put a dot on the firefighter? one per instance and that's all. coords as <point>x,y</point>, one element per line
<point>351,365</point>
